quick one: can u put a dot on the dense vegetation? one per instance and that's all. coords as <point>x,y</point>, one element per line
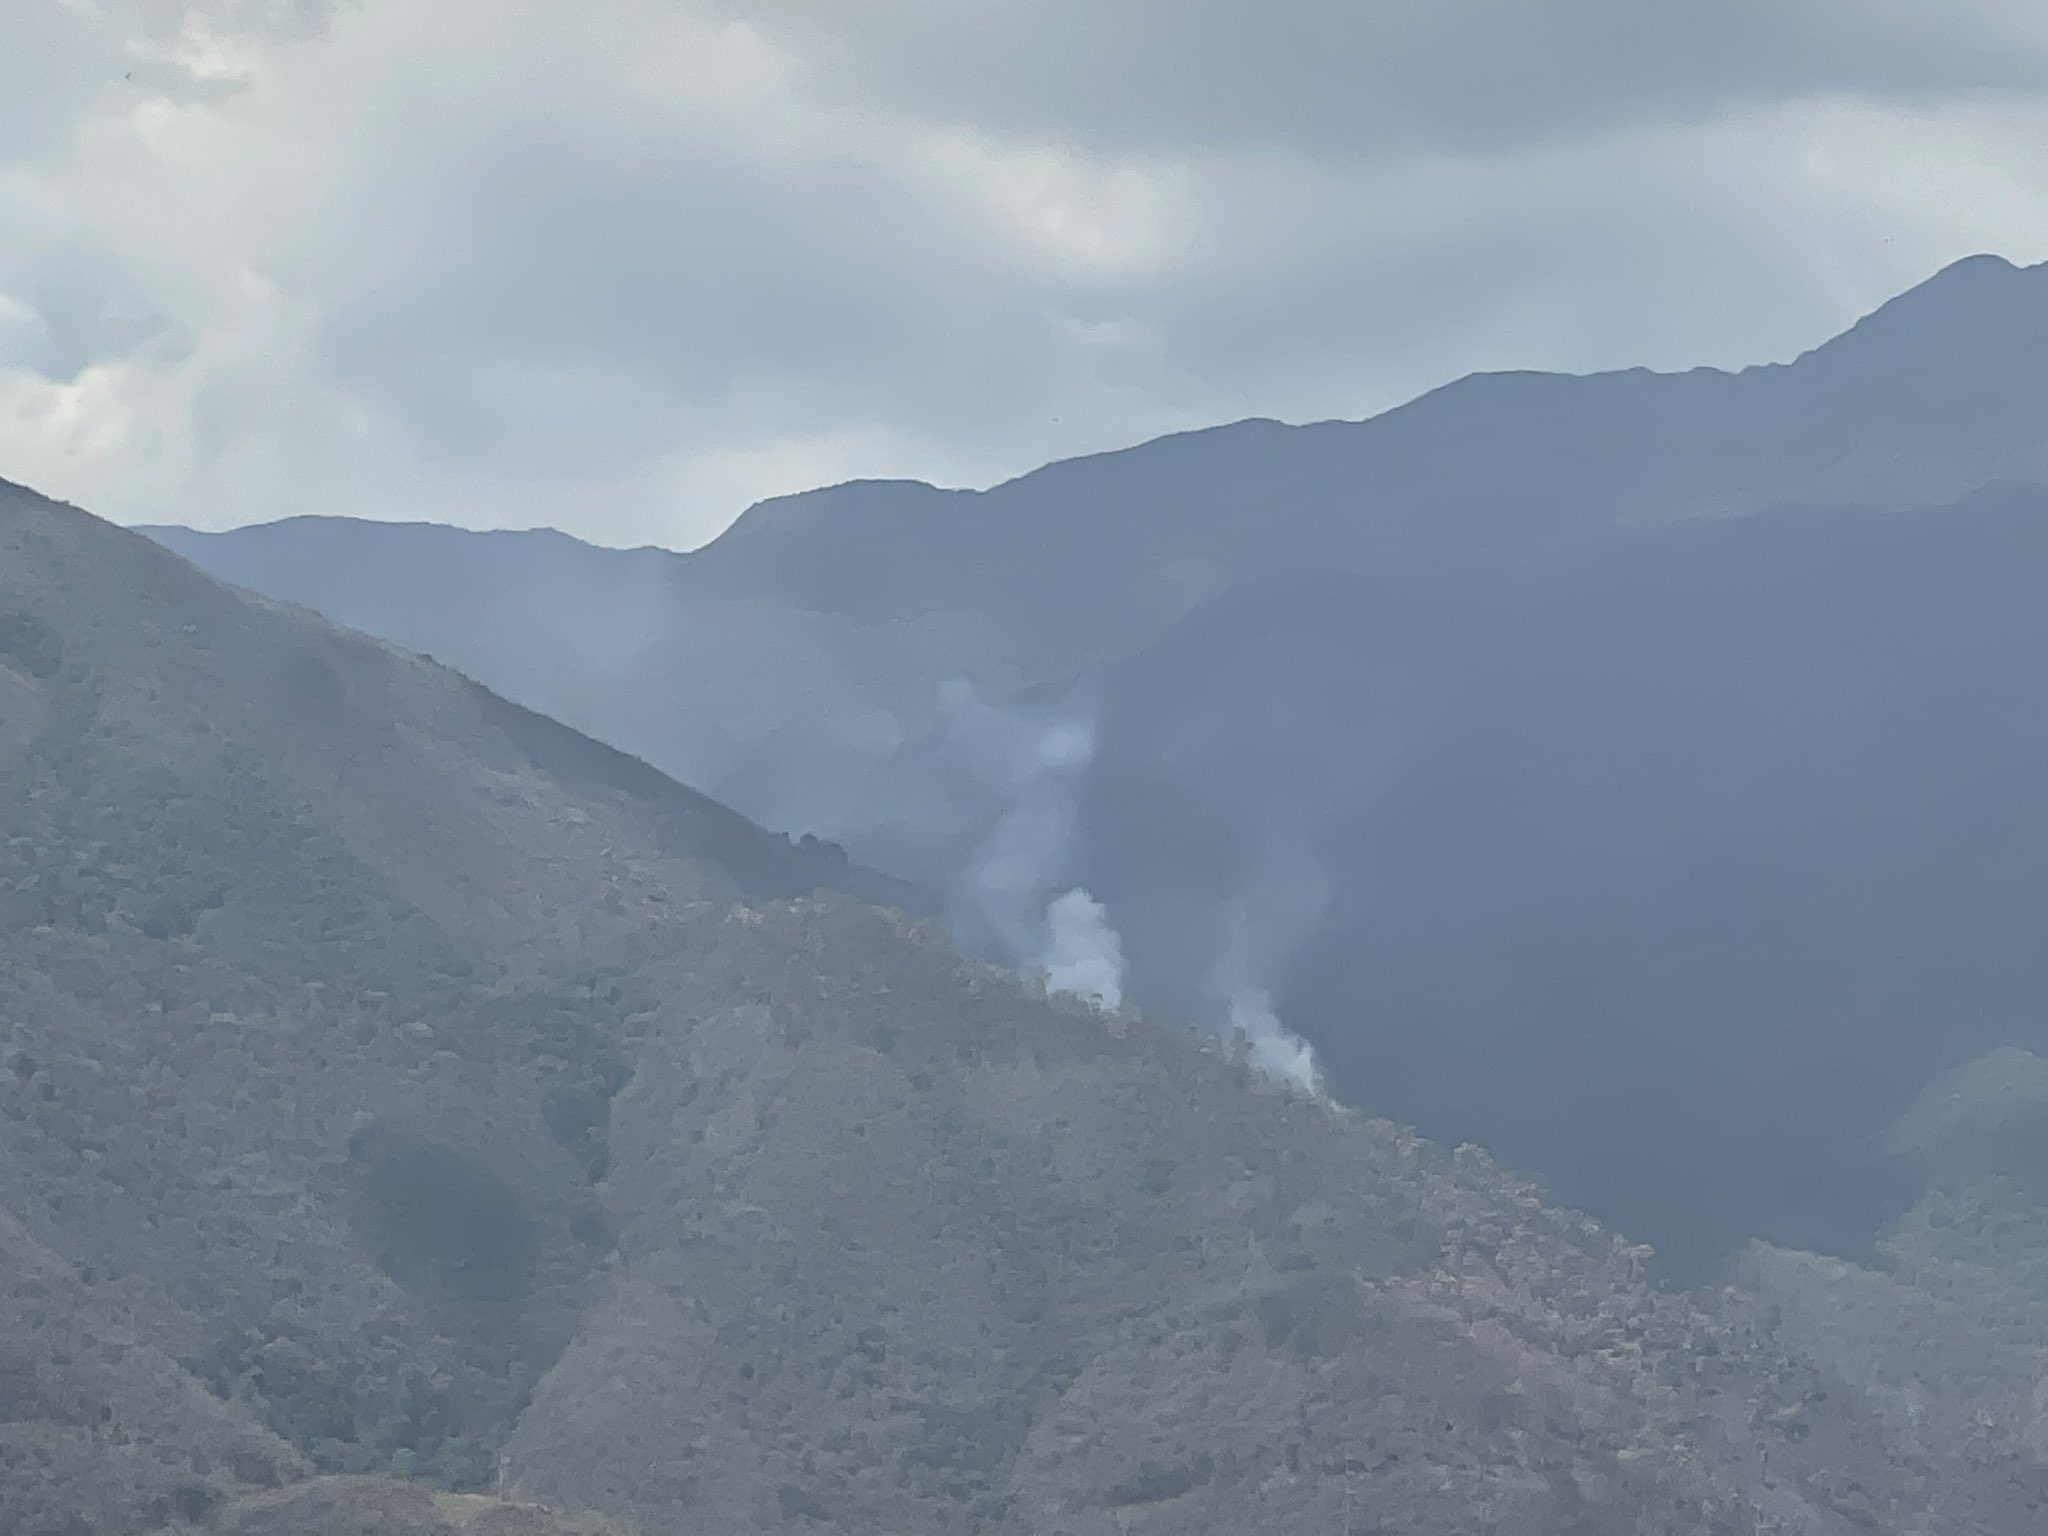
<point>395,1084</point>
<point>1638,774</point>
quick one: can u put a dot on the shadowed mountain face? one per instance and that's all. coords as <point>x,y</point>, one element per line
<point>398,1086</point>
<point>1734,840</point>
<point>1638,774</point>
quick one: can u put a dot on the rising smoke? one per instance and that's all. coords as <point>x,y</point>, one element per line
<point>1275,1049</point>
<point>1083,955</point>
<point>1013,896</point>
<point>1261,929</point>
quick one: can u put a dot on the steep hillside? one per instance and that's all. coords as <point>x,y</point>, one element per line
<point>902,1249</point>
<point>100,1430</point>
<point>1639,774</point>
<point>318,966</point>
<point>399,1084</point>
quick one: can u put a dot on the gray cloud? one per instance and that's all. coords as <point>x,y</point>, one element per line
<point>52,61</point>
<point>626,269</point>
<point>1331,76</point>
<point>706,293</point>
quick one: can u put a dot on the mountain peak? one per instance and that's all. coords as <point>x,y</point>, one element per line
<point>1980,301</point>
<point>1978,285</point>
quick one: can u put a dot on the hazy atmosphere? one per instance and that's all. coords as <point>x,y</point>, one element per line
<point>624,269</point>
<point>894,768</point>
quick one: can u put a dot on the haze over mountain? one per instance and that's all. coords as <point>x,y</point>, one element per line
<point>400,1084</point>
<point>1638,774</point>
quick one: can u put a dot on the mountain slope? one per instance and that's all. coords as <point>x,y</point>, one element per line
<point>577,1171</point>
<point>1148,1299</point>
<point>1637,774</point>
<point>307,1055</point>
<point>98,1428</point>
<point>825,618</point>
<point>1674,877</point>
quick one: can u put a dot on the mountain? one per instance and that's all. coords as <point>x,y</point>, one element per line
<point>303,1032</point>
<point>1637,774</point>
<point>401,1087</point>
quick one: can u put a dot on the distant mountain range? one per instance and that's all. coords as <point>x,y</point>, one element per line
<point>417,1118</point>
<point>1642,775</point>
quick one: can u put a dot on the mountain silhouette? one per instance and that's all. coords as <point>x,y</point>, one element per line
<point>1654,753</point>
<point>402,1089</point>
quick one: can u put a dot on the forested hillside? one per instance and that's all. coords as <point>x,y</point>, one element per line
<point>399,1084</point>
<point>1639,774</point>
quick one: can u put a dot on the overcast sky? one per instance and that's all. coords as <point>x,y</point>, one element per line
<point>625,266</point>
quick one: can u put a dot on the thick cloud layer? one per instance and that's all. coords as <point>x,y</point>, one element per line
<point>1328,79</point>
<point>624,270</point>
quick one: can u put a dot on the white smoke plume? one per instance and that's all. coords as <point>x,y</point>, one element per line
<point>1014,894</point>
<point>1275,1049</point>
<point>1083,955</point>
<point>1261,929</point>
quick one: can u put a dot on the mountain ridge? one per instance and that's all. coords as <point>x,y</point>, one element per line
<point>610,1182</point>
<point>1930,304</point>
<point>1325,639</point>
